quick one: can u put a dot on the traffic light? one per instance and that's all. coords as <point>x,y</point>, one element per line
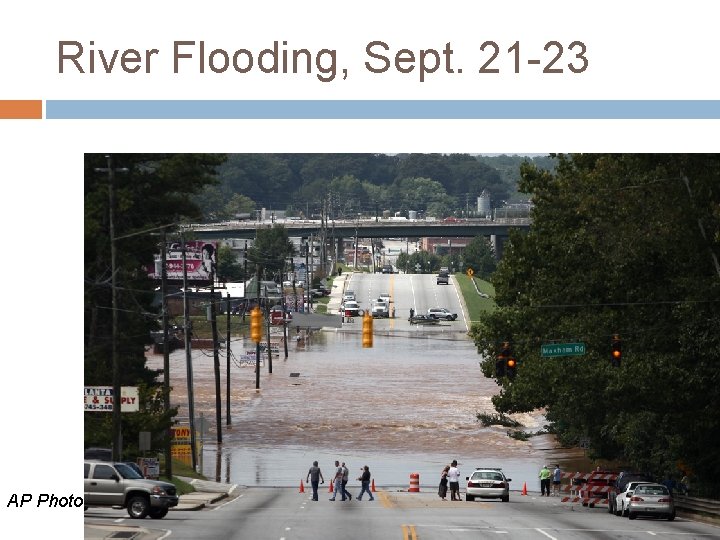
<point>367,332</point>
<point>256,326</point>
<point>511,368</point>
<point>616,351</point>
<point>501,362</point>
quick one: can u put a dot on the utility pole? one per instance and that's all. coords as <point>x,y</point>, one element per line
<point>216,351</point>
<point>188,358</point>
<point>284,321</point>
<point>257,345</point>
<point>245,278</point>
<point>116,416</point>
<point>166,354</point>
<point>267,312</point>
<point>227,368</point>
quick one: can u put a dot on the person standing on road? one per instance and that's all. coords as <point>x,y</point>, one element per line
<point>545,475</point>
<point>556,479</point>
<point>314,476</point>
<point>454,479</point>
<point>442,489</point>
<point>345,475</point>
<point>365,483</point>
<point>337,481</point>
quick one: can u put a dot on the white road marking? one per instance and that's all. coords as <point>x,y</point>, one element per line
<point>546,534</point>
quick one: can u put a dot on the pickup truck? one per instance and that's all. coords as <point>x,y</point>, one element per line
<point>443,278</point>
<point>380,309</point>
<point>117,484</point>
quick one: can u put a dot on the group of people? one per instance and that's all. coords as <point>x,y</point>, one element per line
<point>546,477</point>
<point>450,475</point>
<point>340,480</point>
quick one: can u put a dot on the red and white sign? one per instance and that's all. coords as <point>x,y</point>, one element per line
<point>199,258</point>
<point>100,398</point>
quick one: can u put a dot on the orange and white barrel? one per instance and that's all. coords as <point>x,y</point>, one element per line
<point>414,482</point>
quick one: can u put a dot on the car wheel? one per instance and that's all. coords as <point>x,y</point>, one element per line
<point>138,507</point>
<point>158,513</point>
<point>671,517</point>
<point>631,515</point>
<point>506,498</point>
<point>448,318</point>
<point>469,497</point>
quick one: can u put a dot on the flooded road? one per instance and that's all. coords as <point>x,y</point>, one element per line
<point>407,405</point>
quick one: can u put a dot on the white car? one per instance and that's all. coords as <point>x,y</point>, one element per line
<point>488,483</point>
<point>385,297</point>
<point>623,499</point>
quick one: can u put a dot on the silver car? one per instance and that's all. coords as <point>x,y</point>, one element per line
<point>651,500</point>
<point>623,499</point>
<point>488,483</point>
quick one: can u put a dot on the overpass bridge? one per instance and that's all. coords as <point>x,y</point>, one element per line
<point>497,230</point>
<point>363,228</point>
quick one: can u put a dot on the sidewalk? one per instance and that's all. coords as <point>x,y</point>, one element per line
<point>338,288</point>
<point>207,493</point>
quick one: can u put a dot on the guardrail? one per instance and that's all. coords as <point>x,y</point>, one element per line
<point>709,507</point>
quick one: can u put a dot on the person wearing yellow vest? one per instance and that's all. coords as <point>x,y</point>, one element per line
<point>545,475</point>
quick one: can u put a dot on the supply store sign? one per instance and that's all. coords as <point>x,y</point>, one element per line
<point>100,398</point>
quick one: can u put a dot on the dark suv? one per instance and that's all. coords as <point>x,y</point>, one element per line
<point>621,482</point>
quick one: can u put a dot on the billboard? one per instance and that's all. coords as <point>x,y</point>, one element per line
<point>199,258</point>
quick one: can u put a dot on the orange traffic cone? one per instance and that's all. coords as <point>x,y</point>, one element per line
<point>372,486</point>
<point>524,490</point>
<point>330,490</point>
<point>302,486</point>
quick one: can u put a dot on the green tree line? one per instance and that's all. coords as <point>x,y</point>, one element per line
<point>626,245</point>
<point>343,185</point>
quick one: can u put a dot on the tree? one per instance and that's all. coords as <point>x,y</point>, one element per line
<point>271,249</point>
<point>154,193</point>
<point>228,267</point>
<point>617,246</point>
<point>479,255</point>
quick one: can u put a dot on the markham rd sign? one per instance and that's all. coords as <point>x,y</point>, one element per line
<point>100,398</point>
<point>562,349</point>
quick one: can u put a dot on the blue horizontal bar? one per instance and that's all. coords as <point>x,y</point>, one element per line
<point>383,109</point>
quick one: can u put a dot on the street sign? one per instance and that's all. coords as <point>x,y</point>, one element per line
<point>470,272</point>
<point>562,349</point>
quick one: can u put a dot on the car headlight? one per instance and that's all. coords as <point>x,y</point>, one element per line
<point>157,490</point>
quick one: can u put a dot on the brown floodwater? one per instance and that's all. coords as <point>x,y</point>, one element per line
<point>407,405</point>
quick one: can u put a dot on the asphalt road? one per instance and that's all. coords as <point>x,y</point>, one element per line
<point>285,514</point>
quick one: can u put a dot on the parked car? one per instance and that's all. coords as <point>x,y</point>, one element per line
<point>488,483</point>
<point>622,499</point>
<point>423,319</point>
<point>651,500</point>
<point>620,484</point>
<point>100,454</point>
<point>441,313</point>
<point>117,484</point>
<point>351,308</point>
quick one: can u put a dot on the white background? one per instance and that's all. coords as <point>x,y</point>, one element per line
<point>637,50</point>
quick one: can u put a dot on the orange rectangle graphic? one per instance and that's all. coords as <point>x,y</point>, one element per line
<point>20,109</point>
